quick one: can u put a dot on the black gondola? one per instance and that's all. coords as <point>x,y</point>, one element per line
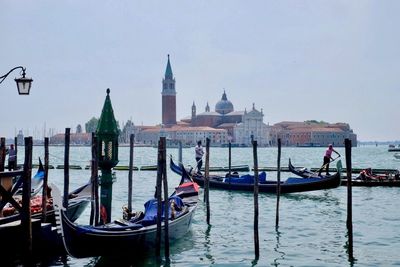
<point>78,200</point>
<point>304,172</point>
<point>128,236</point>
<point>246,182</point>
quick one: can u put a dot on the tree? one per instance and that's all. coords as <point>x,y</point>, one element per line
<point>79,128</point>
<point>91,125</point>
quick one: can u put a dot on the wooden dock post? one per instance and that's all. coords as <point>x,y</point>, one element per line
<point>349,221</point>
<point>160,169</point>
<point>166,205</point>
<point>256,237</point>
<point>66,167</point>
<point>16,152</point>
<point>130,176</point>
<point>26,223</point>
<point>207,179</point>
<point>180,152</point>
<point>45,179</point>
<point>278,187</point>
<point>2,153</point>
<point>229,162</point>
<point>94,178</point>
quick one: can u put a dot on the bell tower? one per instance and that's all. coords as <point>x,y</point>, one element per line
<point>193,110</point>
<point>168,97</point>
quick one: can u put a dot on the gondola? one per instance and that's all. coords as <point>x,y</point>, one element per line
<point>304,172</point>
<point>129,236</point>
<point>246,182</point>
<point>369,179</point>
<point>78,200</point>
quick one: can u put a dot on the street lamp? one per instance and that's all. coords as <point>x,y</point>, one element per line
<point>23,84</point>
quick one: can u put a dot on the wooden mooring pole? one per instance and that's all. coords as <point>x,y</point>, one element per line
<point>130,176</point>
<point>26,222</point>
<point>16,152</point>
<point>180,158</point>
<point>2,153</point>
<point>229,162</point>
<point>278,187</point>
<point>160,169</point>
<point>66,167</point>
<point>45,179</point>
<point>166,204</point>
<point>207,179</point>
<point>94,178</point>
<point>256,237</point>
<point>349,221</point>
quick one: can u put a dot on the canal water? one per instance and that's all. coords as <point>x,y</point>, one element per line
<point>312,229</point>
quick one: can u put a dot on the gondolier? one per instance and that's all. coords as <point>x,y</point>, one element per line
<point>199,156</point>
<point>327,159</point>
<point>12,156</point>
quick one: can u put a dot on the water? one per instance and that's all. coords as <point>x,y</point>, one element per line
<point>312,229</point>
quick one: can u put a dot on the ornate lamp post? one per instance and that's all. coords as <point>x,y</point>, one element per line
<point>23,84</point>
<point>107,133</point>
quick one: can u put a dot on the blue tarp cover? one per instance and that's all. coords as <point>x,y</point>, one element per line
<point>247,179</point>
<point>292,180</point>
<point>150,213</point>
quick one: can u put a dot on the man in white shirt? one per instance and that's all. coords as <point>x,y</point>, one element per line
<point>199,156</point>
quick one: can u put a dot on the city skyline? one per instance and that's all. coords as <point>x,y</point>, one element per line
<point>298,61</point>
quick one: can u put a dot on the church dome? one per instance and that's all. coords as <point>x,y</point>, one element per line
<point>224,106</point>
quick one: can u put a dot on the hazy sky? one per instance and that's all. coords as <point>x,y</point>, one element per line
<point>336,61</point>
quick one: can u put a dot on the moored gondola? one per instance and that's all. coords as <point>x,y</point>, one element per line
<point>127,236</point>
<point>246,182</point>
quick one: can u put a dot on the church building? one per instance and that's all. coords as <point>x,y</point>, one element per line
<point>222,125</point>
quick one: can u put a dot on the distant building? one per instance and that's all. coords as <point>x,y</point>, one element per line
<point>241,126</point>
<point>168,97</point>
<point>20,138</point>
<point>222,125</point>
<point>75,139</point>
<point>187,134</point>
<point>311,134</point>
<point>252,126</point>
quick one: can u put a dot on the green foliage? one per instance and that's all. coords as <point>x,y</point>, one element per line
<point>316,122</point>
<point>91,125</point>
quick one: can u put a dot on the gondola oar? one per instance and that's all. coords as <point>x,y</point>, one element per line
<point>323,166</point>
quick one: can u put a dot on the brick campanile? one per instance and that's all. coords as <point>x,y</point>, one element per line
<point>168,97</point>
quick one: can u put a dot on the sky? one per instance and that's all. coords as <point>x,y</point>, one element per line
<point>336,61</point>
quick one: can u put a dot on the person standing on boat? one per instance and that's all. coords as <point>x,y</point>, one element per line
<point>12,156</point>
<point>199,156</point>
<point>327,159</point>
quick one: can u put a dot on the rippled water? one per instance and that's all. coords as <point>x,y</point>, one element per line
<point>312,229</point>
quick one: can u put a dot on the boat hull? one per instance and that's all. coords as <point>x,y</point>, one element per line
<point>81,242</point>
<point>292,185</point>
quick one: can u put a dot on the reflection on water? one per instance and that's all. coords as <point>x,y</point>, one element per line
<point>349,249</point>
<point>276,249</point>
<point>326,197</point>
<point>207,244</point>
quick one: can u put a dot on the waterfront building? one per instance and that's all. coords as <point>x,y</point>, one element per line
<point>312,133</point>
<point>241,126</point>
<point>20,138</point>
<point>222,125</point>
<point>186,134</point>
<point>252,126</point>
<point>75,139</point>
